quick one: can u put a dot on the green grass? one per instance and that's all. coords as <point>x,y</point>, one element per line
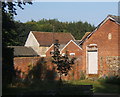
<point>43,86</point>
<point>98,87</point>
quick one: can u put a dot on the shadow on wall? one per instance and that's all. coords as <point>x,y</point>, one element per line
<point>41,81</point>
<point>40,71</point>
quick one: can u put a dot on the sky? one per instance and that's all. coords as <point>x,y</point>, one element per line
<point>92,12</point>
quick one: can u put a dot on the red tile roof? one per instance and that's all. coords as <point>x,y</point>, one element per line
<point>48,38</point>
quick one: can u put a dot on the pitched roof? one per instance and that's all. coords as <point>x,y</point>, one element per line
<point>115,18</point>
<point>111,17</point>
<point>86,34</point>
<point>69,43</point>
<point>61,46</point>
<point>20,51</point>
<point>48,38</point>
<point>77,41</point>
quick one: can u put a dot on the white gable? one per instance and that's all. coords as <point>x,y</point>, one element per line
<point>31,41</point>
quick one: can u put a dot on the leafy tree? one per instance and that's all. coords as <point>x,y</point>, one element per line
<point>15,32</point>
<point>8,71</point>
<point>8,24</point>
<point>10,7</point>
<point>9,37</point>
<point>77,29</point>
<point>64,63</point>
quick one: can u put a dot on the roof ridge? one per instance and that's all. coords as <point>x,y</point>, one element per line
<point>47,38</point>
<point>51,32</point>
<point>113,17</point>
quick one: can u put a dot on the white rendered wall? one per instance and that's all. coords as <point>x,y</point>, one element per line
<point>33,43</point>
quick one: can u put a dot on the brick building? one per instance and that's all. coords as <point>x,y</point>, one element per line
<point>101,51</point>
<point>71,47</point>
<point>41,41</point>
<point>97,53</point>
<point>73,50</point>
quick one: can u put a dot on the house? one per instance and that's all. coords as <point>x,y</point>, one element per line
<point>73,50</point>
<point>101,51</point>
<point>51,49</point>
<point>41,41</point>
<point>97,53</point>
<point>71,47</point>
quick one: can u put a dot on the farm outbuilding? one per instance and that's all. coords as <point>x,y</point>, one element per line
<point>97,53</point>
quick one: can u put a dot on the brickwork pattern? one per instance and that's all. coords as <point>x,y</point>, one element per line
<point>106,46</point>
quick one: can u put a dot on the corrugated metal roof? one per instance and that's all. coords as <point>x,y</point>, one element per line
<point>20,51</point>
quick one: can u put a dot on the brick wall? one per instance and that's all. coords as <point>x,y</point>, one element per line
<point>74,74</point>
<point>72,48</point>
<point>106,38</point>
<point>49,50</point>
<point>22,64</point>
<point>47,69</point>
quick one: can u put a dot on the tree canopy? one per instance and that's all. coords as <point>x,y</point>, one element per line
<point>16,32</point>
<point>77,29</point>
<point>9,33</point>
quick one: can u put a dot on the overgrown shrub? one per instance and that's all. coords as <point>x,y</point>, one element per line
<point>82,75</point>
<point>111,80</point>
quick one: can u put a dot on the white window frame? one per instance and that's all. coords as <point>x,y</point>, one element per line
<point>72,54</point>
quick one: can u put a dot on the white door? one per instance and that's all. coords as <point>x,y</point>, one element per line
<point>92,65</point>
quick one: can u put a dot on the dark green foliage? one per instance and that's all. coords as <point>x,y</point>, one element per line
<point>21,30</point>
<point>111,80</point>
<point>16,33</point>
<point>64,63</point>
<point>9,32</point>
<point>8,72</point>
<point>10,36</point>
<point>10,7</point>
<point>77,29</point>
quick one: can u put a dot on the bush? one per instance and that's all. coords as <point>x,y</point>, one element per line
<point>111,80</point>
<point>82,75</point>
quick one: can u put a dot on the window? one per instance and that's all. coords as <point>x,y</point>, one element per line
<point>72,54</point>
<point>63,54</point>
<point>109,36</point>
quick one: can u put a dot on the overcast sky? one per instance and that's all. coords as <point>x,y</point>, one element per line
<point>92,12</point>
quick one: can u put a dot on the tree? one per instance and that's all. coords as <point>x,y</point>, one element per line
<point>8,71</point>
<point>11,6</point>
<point>9,32</point>
<point>64,63</point>
<point>9,36</point>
